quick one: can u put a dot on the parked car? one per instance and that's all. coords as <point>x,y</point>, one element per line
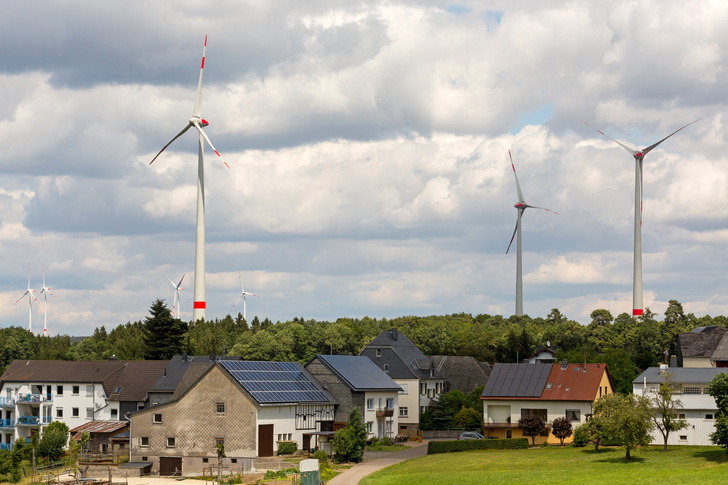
<point>470,435</point>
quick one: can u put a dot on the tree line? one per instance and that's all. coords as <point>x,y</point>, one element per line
<point>625,343</point>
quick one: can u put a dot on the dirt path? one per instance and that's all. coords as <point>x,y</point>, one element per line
<point>374,461</point>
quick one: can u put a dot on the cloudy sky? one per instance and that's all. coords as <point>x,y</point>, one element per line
<point>368,151</point>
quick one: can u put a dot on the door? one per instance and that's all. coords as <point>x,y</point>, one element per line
<point>265,440</point>
<point>170,465</point>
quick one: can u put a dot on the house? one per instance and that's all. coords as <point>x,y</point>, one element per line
<point>543,355</point>
<point>246,406</point>
<point>462,373</point>
<point>547,390</point>
<point>37,392</point>
<point>703,347</point>
<point>356,382</point>
<point>697,406</point>
<point>101,434</point>
<point>415,373</point>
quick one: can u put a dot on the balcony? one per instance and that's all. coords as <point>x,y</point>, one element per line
<point>34,398</point>
<point>7,402</point>
<point>6,446</point>
<point>385,412</point>
<point>7,424</point>
<point>34,420</point>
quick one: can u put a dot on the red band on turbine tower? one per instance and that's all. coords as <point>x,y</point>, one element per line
<point>199,304</point>
<point>637,312</point>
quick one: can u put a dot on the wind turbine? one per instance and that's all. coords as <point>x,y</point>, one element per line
<point>242,296</point>
<point>29,292</point>
<point>44,293</point>
<point>177,289</point>
<point>639,155</point>
<point>521,205</point>
<point>197,122</point>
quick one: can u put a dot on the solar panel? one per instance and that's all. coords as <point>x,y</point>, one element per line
<point>274,382</point>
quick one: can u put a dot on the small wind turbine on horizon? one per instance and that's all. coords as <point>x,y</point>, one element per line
<point>521,205</point>
<point>199,305</point>
<point>242,296</point>
<point>44,292</point>
<point>177,289</point>
<point>29,292</point>
<point>639,155</point>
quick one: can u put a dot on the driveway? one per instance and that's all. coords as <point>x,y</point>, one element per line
<point>376,460</point>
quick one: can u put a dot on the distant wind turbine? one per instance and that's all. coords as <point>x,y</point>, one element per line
<point>29,293</point>
<point>521,205</point>
<point>242,296</point>
<point>177,289</point>
<point>637,305</point>
<point>44,292</point>
<point>196,121</point>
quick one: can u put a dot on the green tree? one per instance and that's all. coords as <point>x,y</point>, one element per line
<point>718,389</point>
<point>532,425</point>
<point>164,335</point>
<point>626,420</point>
<point>349,442</point>
<point>467,418</point>
<point>53,441</point>
<point>561,428</point>
<point>664,409</point>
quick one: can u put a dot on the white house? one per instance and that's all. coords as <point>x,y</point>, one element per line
<point>697,406</point>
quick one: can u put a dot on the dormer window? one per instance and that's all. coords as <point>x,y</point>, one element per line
<point>548,385</point>
<point>379,352</point>
<point>386,367</point>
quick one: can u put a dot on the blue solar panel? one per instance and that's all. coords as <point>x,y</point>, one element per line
<point>274,382</point>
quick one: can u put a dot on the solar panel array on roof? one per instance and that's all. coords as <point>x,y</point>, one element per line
<point>274,382</point>
<point>360,372</point>
<point>517,380</point>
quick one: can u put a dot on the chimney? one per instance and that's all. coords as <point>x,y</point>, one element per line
<point>564,364</point>
<point>395,334</point>
<point>673,361</point>
<point>113,357</point>
<point>663,369</point>
<point>184,357</point>
<point>164,374</point>
<point>212,356</point>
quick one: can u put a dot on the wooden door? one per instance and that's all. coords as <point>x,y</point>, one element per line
<point>265,440</point>
<point>170,465</point>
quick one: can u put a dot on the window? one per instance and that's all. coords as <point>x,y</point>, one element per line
<point>280,437</point>
<point>157,418</point>
<point>390,403</point>
<point>681,416</point>
<point>541,413</point>
<point>573,415</point>
<point>549,384</point>
<point>379,352</point>
<point>233,460</point>
<point>370,426</point>
<point>430,393</point>
<point>144,458</point>
<point>144,441</point>
<point>708,416</point>
<point>403,412</point>
<point>220,408</point>
<point>74,412</point>
<point>89,390</point>
<point>114,414</point>
<point>170,442</point>
<point>370,404</point>
<point>89,413</point>
<point>404,388</point>
<point>59,390</point>
<point>59,412</point>
<point>509,434</point>
<point>118,390</point>
<point>205,460</point>
<point>75,390</point>
<point>691,390</point>
<point>683,437</point>
<point>386,367</point>
<point>423,388</point>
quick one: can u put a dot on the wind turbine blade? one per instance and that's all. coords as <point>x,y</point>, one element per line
<point>198,100</point>
<point>238,301</point>
<point>180,281</point>
<point>543,209</point>
<point>631,151</point>
<point>649,148</point>
<point>168,144</point>
<point>518,186</point>
<point>514,235</point>
<point>21,297</point>
<point>204,135</point>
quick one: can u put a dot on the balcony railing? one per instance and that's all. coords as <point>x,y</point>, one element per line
<point>7,402</point>
<point>385,412</point>
<point>7,424</point>
<point>34,420</point>
<point>34,398</point>
<point>6,446</point>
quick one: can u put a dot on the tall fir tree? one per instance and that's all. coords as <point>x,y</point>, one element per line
<point>164,335</point>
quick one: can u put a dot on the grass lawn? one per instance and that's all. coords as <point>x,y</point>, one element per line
<point>680,464</point>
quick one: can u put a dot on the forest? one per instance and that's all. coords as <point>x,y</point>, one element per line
<point>626,344</point>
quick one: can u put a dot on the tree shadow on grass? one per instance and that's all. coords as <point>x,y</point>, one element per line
<point>716,456</point>
<point>613,455</point>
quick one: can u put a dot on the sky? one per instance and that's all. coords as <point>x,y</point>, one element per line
<point>368,150</point>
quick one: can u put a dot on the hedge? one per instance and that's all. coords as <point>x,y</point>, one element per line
<point>465,445</point>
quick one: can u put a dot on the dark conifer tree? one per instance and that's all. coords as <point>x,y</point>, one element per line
<point>164,335</point>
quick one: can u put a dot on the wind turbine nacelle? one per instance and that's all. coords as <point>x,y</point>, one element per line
<point>201,121</point>
<point>520,205</point>
<point>636,155</point>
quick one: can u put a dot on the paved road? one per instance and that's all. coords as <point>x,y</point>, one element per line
<point>374,461</point>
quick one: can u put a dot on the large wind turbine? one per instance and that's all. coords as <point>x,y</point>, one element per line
<point>242,296</point>
<point>177,289</point>
<point>29,292</point>
<point>44,292</point>
<point>196,121</point>
<point>521,205</point>
<point>639,155</point>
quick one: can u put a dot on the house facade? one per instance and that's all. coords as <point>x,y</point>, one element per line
<point>546,390</point>
<point>697,407</point>
<point>246,406</point>
<point>356,382</point>
<point>415,373</point>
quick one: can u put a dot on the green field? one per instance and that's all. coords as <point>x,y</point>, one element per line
<point>553,464</point>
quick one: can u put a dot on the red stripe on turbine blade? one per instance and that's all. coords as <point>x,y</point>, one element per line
<point>199,304</point>
<point>205,40</point>
<point>228,166</point>
<point>203,63</point>
<point>216,153</point>
<point>637,312</point>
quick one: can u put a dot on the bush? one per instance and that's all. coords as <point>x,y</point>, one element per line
<point>466,445</point>
<point>561,428</point>
<point>581,436</point>
<point>386,441</point>
<point>287,448</point>
<point>349,442</point>
<point>321,456</point>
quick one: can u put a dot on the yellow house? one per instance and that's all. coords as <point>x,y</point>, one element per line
<point>547,390</point>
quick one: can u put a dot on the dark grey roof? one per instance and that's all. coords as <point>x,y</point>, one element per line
<point>463,373</point>
<point>404,359</point>
<point>701,343</point>
<point>277,382</point>
<point>177,367</point>
<point>680,375</point>
<point>517,380</point>
<point>359,372</point>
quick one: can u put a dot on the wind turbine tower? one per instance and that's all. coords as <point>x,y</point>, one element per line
<point>197,122</point>
<point>521,206</point>
<point>29,293</point>
<point>44,293</point>
<point>242,296</point>
<point>639,155</point>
